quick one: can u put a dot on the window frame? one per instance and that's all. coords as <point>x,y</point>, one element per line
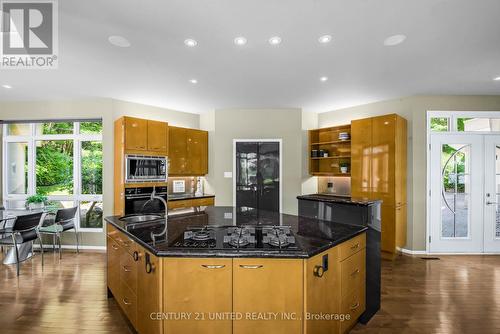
<point>453,117</point>
<point>31,140</point>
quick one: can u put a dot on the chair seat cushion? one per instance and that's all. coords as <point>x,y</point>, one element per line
<point>54,228</point>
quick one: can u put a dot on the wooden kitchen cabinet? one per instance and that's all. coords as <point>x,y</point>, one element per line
<point>201,287</point>
<point>197,147</point>
<point>188,149</point>
<point>136,130</point>
<point>321,291</point>
<point>149,292</point>
<point>177,148</point>
<point>268,285</point>
<point>187,203</point>
<point>157,137</point>
<point>379,163</point>
<point>113,268</point>
<point>361,151</point>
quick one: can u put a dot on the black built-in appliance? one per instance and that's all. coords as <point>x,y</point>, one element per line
<point>367,214</point>
<point>138,200</point>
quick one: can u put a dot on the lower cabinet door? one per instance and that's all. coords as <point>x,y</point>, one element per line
<point>149,293</point>
<point>113,266</point>
<point>198,295</point>
<point>268,293</point>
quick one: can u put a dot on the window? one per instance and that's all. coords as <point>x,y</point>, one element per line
<point>439,124</point>
<point>62,160</point>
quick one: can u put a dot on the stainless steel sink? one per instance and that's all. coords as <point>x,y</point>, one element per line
<point>140,218</point>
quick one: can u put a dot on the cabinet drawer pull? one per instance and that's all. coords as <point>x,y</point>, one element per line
<point>213,266</point>
<point>355,246</point>
<point>355,306</point>
<point>115,247</point>
<point>126,269</point>
<point>255,266</point>
<point>126,243</point>
<point>126,302</point>
<point>355,272</point>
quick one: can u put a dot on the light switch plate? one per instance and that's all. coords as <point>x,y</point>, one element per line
<point>228,175</point>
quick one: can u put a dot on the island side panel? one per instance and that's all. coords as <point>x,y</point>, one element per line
<point>268,286</point>
<point>198,289</point>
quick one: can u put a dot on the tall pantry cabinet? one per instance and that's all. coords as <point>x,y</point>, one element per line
<point>378,171</point>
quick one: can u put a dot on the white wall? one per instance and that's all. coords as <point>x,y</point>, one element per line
<point>229,124</point>
<point>108,110</point>
<point>414,109</point>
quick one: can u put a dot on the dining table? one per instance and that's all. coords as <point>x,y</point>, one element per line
<point>7,219</point>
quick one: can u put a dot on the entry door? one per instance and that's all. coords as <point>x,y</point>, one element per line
<point>457,193</point>
<point>492,194</point>
<point>257,179</point>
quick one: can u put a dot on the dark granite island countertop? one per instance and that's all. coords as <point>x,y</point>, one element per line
<point>312,236</point>
<point>339,199</point>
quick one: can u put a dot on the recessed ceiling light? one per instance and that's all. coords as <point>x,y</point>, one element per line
<point>240,40</point>
<point>323,79</point>
<point>394,40</point>
<point>275,40</point>
<point>7,86</point>
<point>497,79</point>
<point>325,39</point>
<point>190,42</point>
<point>119,41</point>
<point>193,81</point>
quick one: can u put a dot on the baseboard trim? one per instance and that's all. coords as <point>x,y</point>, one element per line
<point>82,247</point>
<point>412,252</point>
<point>421,252</point>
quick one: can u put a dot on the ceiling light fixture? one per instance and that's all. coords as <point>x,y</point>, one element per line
<point>7,86</point>
<point>394,40</point>
<point>275,40</point>
<point>325,39</point>
<point>240,41</point>
<point>190,42</point>
<point>119,41</point>
<point>193,81</point>
<point>323,79</point>
<point>497,79</point>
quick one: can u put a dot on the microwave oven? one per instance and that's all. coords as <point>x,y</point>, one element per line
<point>142,168</point>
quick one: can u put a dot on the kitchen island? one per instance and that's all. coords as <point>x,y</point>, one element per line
<point>228,270</point>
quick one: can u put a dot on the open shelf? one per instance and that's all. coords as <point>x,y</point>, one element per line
<point>339,151</point>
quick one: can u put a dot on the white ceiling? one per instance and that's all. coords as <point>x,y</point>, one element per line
<point>452,47</point>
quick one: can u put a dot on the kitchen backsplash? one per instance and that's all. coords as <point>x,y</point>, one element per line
<point>341,185</point>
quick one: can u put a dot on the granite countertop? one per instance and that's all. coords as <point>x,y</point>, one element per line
<point>175,197</point>
<point>312,236</point>
<point>339,199</point>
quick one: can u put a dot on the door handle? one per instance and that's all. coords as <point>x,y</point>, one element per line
<point>213,266</point>
<point>490,203</point>
<point>257,266</point>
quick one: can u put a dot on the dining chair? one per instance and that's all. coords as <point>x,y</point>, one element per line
<point>24,229</point>
<point>64,221</point>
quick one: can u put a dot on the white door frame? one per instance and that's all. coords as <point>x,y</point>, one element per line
<point>452,117</point>
<point>257,140</point>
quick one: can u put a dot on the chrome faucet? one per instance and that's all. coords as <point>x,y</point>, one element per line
<point>165,203</point>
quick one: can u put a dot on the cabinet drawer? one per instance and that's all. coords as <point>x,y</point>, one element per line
<point>113,267</point>
<point>112,232</point>
<point>128,302</point>
<point>180,204</point>
<point>203,202</point>
<point>353,273</point>
<point>128,271</point>
<point>353,304</point>
<point>126,243</point>
<point>352,246</point>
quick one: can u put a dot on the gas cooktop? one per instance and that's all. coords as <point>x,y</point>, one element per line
<point>264,237</point>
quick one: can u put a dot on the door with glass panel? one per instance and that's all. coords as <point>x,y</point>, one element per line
<point>457,167</point>
<point>492,194</point>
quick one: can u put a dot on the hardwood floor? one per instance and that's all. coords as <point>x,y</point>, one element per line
<point>68,296</point>
<point>457,294</point>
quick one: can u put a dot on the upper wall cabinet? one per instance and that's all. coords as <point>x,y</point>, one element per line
<point>188,151</point>
<point>145,136</point>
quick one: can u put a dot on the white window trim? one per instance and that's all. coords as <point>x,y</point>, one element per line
<point>76,197</point>
<point>454,115</point>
